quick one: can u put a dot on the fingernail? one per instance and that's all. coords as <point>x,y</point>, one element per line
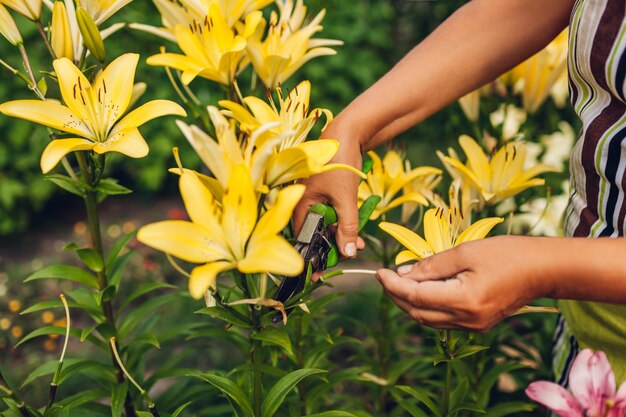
<point>350,249</point>
<point>405,269</point>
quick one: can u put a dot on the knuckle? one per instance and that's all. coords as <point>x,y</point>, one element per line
<point>425,266</point>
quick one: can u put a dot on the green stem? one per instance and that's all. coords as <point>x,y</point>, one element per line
<point>29,70</point>
<point>257,361</point>
<point>93,221</point>
<point>447,387</point>
<point>15,72</point>
<point>300,362</point>
<point>44,36</point>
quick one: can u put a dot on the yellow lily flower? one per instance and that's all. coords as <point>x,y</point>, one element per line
<point>8,28</point>
<point>185,12</point>
<point>61,39</point>
<point>101,10</point>
<point>228,235</point>
<point>441,232</point>
<point>421,185</point>
<point>536,76</point>
<point>211,49</point>
<point>500,177</point>
<point>93,112</point>
<point>387,178</point>
<point>292,118</point>
<point>269,166</point>
<point>288,44</point>
<point>29,8</point>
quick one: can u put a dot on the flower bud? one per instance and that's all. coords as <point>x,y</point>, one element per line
<point>8,27</point>
<point>29,8</point>
<point>61,39</point>
<point>91,35</point>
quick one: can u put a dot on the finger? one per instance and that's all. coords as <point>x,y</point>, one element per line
<point>347,223</point>
<point>443,265</point>
<point>430,295</point>
<point>431,318</point>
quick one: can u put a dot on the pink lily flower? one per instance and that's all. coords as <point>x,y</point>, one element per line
<point>592,390</point>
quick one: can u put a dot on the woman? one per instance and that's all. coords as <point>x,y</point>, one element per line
<point>477,284</point>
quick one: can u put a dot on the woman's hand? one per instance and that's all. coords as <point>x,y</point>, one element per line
<point>337,188</point>
<point>475,285</point>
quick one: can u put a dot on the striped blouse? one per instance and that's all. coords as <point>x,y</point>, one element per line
<point>597,205</point>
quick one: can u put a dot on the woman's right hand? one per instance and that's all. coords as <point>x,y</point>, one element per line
<point>337,188</point>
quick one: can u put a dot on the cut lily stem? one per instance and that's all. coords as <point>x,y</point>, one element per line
<point>55,379</point>
<point>143,392</point>
<point>44,36</point>
<point>257,362</point>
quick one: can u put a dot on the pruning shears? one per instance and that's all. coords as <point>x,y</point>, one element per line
<point>317,246</point>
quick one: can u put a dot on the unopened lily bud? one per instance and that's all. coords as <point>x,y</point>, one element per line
<point>8,27</point>
<point>91,35</point>
<point>29,8</point>
<point>61,34</point>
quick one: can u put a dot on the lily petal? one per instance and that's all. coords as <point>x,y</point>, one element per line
<point>406,256</point>
<point>203,277</point>
<point>555,397</point>
<point>476,159</point>
<point>277,217</point>
<point>201,205</point>
<point>185,240</point>
<point>57,149</point>
<point>74,86</point>
<point>145,113</point>
<point>49,114</point>
<point>272,254</point>
<point>411,240</point>
<point>478,230</point>
<point>128,142</point>
<point>592,380</point>
<point>239,206</point>
<point>118,77</point>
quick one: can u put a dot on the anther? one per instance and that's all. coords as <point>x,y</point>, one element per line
<point>104,85</point>
<point>75,85</point>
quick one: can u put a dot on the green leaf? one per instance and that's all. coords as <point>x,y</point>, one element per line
<point>475,408</point>
<point>68,184</point>
<point>117,268</point>
<point>66,272</point>
<point>146,339</point>
<point>48,368</point>
<point>144,414</point>
<point>230,389</point>
<point>109,186</point>
<point>490,378</point>
<point>332,413</point>
<point>459,394</point>
<point>469,350</point>
<point>118,247</point>
<point>45,305</point>
<point>180,409</point>
<point>222,313</point>
<point>276,395</point>
<point>141,312</point>
<point>144,289</point>
<point>47,330</point>
<point>366,210</point>
<point>506,409</point>
<point>276,337</point>
<point>91,258</point>
<point>106,294</point>
<point>82,397</point>
<point>422,397</point>
<point>118,396</point>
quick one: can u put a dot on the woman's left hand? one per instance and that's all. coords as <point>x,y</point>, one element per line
<point>474,285</point>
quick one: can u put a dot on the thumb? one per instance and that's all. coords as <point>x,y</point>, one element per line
<point>440,266</point>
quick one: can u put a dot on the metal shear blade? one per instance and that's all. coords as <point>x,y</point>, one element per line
<point>313,244</point>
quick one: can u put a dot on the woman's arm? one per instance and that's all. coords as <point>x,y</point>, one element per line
<point>477,284</point>
<point>480,41</point>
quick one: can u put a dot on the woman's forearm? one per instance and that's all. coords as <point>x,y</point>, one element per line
<point>586,269</point>
<point>480,41</point>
